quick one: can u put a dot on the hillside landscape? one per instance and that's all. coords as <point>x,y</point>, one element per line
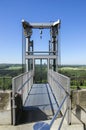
<point>76,73</point>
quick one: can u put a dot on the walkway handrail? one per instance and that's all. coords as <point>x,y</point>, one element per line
<point>57,113</point>
<point>60,86</point>
<point>21,85</point>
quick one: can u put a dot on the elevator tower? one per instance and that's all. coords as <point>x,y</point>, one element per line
<point>29,55</point>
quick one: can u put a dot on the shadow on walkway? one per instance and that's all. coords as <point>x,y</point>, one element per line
<point>32,115</point>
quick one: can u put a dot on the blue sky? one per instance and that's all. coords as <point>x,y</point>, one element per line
<point>72,33</point>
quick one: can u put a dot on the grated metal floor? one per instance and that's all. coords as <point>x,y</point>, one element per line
<point>38,96</point>
<point>40,103</point>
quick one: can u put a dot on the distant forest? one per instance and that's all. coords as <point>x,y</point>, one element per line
<point>76,73</point>
<point>7,72</point>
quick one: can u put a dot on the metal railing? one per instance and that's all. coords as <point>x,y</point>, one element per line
<point>21,85</point>
<point>60,85</point>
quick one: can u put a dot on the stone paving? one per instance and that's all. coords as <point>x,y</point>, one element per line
<point>76,124</point>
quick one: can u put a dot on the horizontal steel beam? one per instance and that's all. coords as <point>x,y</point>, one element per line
<point>41,57</point>
<point>40,25</point>
<point>32,52</point>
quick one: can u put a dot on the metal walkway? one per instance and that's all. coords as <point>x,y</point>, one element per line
<point>40,103</point>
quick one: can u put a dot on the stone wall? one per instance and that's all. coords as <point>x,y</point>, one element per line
<point>78,100</point>
<point>78,97</point>
<point>5,107</point>
<point>18,110</point>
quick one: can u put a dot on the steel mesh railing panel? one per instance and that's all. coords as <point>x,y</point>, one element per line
<point>60,85</point>
<point>22,84</point>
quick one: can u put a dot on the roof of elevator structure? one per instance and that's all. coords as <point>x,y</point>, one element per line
<point>40,25</point>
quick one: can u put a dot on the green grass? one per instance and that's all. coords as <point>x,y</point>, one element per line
<point>81,67</point>
<point>14,68</point>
